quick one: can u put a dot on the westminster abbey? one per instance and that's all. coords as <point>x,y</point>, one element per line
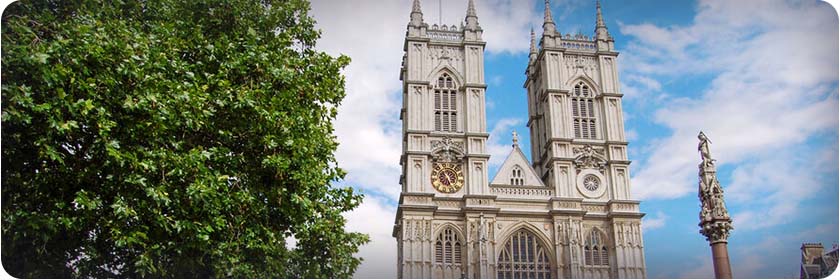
<point>567,214</point>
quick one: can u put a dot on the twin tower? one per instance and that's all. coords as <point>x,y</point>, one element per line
<point>566,215</point>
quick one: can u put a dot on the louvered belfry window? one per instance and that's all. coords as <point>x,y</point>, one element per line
<point>446,104</point>
<point>448,247</point>
<point>583,112</point>
<point>595,249</point>
<point>523,257</point>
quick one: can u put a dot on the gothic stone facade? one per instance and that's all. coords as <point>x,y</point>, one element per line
<point>568,214</point>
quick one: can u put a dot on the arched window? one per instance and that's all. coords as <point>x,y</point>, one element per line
<point>516,177</point>
<point>523,257</point>
<point>448,247</point>
<point>446,104</point>
<point>595,249</point>
<point>583,112</point>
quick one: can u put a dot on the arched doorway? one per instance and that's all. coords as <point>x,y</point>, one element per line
<point>523,257</point>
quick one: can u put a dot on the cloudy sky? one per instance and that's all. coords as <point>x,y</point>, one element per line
<point>759,77</point>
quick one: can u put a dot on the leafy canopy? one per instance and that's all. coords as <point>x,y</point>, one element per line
<point>171,138</point>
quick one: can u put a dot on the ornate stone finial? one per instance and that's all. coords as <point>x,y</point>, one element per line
<point>415,7</point>
<point>600,18</point>
<point>533,41</point>
<point>515,139</point>
<point>549,29</point>
<point>416,14</point>
<point>472,18</point>
<point>601,32</point>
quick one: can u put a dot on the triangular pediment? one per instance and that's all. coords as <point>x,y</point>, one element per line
<point>516,159</point>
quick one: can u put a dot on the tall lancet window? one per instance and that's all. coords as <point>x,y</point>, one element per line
<point>595,249</point>
<point>448,247</point>
<point>516,177</point>
<point>583,112</point>
<point>446,104</point>
<point>523,257</point>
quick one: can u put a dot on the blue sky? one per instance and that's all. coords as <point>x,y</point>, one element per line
<point>759,77</point>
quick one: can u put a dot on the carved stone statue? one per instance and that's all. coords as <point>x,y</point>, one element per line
<point>482,229</point>
<point>705,213</point>
<point>703,147</point>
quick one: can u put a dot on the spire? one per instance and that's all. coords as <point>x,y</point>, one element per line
<point>415,7</point>
<point>532,56</point>
<point>533,41</point>
<point>601,32</point>
<point>600,22</point>
<point>548,25</point>
<point>416,14</point>
<point>472,18</point>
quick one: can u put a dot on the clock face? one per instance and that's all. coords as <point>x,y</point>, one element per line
<point>447,177</point>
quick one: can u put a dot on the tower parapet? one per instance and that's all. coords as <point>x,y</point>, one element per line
<point>578,42</point>
<point>446,33</point>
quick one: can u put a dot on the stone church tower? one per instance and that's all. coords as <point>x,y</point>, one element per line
<point>566,215</point>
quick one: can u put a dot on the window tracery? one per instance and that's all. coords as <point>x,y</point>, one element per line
<point>523,257</point>
<point>595,249</point>
<point>446,104</point>
<point>448,247</point>
<point>583,112</point>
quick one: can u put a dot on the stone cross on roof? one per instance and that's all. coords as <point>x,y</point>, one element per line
<point>515,139</point>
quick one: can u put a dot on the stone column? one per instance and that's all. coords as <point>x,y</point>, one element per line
<point>715,222</point>
<point>720,256</point>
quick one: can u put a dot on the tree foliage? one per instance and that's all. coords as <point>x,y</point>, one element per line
<point>171,138</point>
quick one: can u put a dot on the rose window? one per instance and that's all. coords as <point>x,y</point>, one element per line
<point>591,182</point>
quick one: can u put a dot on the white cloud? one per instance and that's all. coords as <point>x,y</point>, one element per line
<point>368,128</point>
<point>375,218</point>
<point>649,223</point>
<point>497,80</point>
<point>631,135</point>
<point>372,33</point>
<point>775,187</point>
<point>755,260</point>
<point>767,94</point>
<point>499,144</point>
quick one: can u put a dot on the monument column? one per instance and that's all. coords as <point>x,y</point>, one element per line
<point>715,222</point>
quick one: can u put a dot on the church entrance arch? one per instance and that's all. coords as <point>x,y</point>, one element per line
<point>523,256</point>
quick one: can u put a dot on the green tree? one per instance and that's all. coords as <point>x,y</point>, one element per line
<point>171,138</point>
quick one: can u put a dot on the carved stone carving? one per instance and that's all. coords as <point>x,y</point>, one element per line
<point>585,64</point>
<point>446,56</point>
<point>447,150</point>
<point>589,157</point>
<point>715,222</point>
